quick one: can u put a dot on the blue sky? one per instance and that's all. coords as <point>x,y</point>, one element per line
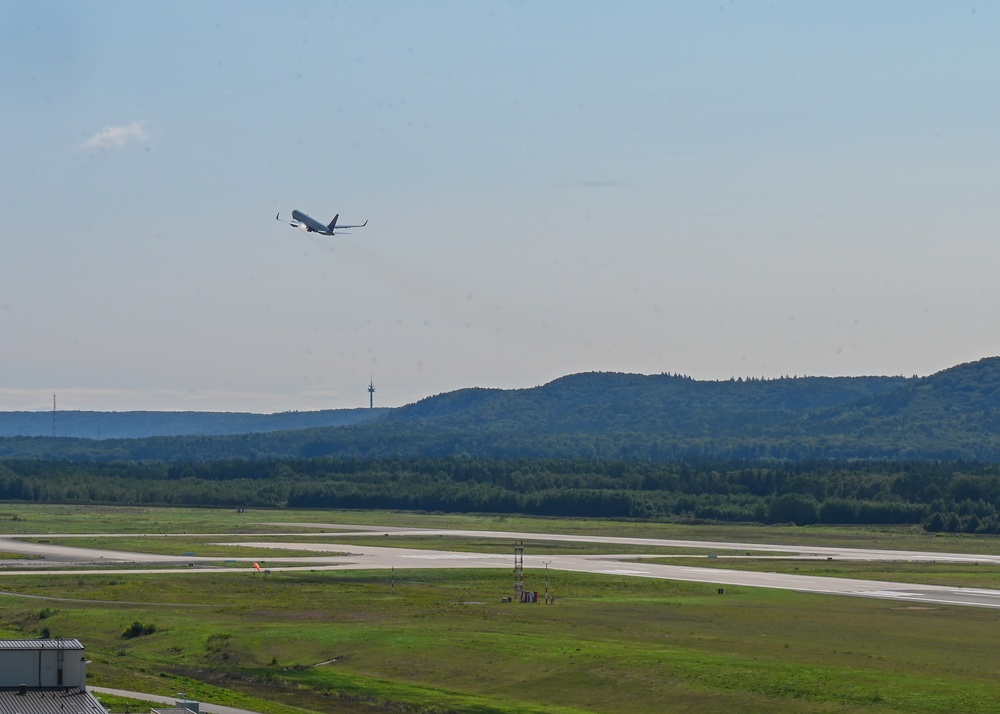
<point>713,189</point>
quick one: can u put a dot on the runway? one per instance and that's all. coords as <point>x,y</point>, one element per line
<point>51,557</point>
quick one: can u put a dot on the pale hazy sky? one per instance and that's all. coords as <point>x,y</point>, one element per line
<point>708,188</point>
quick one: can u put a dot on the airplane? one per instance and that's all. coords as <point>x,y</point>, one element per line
<point>311,225</point>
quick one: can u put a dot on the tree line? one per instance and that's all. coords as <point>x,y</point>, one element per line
<point>941,496</point>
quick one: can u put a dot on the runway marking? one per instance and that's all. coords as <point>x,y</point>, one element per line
<point>975,591</point>
<point>895,594</point>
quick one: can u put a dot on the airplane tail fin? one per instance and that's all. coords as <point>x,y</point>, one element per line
<point>333,223</point>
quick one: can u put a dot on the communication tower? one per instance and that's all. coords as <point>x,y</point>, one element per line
<point>371,394</point>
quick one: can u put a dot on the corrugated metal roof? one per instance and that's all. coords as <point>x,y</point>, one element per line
<point>62,700</point>
<point>32,645</point>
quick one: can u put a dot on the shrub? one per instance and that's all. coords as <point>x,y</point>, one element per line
<point>138,629</point>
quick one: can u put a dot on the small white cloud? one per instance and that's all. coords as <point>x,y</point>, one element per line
<point>112,137</point>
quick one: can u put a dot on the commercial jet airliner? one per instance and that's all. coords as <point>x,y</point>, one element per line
<point>311,225</point>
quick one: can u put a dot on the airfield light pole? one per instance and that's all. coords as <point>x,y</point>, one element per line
<point>547,581</point>
<point>518,570</point>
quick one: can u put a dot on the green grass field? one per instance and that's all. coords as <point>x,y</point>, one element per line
<point>442,640</point>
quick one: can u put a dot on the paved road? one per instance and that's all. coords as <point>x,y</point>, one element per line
<point>333,556</point>
<point>171,701</point>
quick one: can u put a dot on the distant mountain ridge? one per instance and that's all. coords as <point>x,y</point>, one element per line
<point>953,414</point>
<point>141,424</point>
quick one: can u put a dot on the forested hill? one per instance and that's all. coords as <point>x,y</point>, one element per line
<point>139,424</point>
<point>596,403</point>
<point>954,414</point>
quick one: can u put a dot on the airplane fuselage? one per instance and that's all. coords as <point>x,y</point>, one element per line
<point>309,222</point>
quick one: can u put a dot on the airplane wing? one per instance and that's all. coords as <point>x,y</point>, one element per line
<point>293,224</point>
<point>357,226</point>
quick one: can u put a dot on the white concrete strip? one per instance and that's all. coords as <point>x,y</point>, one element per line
<point>171,701</point>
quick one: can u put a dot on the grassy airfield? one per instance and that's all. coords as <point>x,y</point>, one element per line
<point>439,641</point>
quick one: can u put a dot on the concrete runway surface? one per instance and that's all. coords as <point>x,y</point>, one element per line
<point>49,556</point>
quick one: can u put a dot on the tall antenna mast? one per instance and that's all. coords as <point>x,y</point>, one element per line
<point>371,394</point>
<point>53,416</point>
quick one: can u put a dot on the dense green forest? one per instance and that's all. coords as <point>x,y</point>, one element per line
<point>950,496</point>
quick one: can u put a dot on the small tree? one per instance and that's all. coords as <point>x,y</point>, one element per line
<point>953,524</point>
<point>935,524</point>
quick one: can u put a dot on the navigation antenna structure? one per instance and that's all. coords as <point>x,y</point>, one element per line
<point>371,394</point>
<point>53,416</point>
<point>518,570</point>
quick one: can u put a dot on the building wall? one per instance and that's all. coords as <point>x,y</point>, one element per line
<point>43,668</point>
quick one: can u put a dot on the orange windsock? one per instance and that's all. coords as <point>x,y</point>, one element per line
<point>256,566</point>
